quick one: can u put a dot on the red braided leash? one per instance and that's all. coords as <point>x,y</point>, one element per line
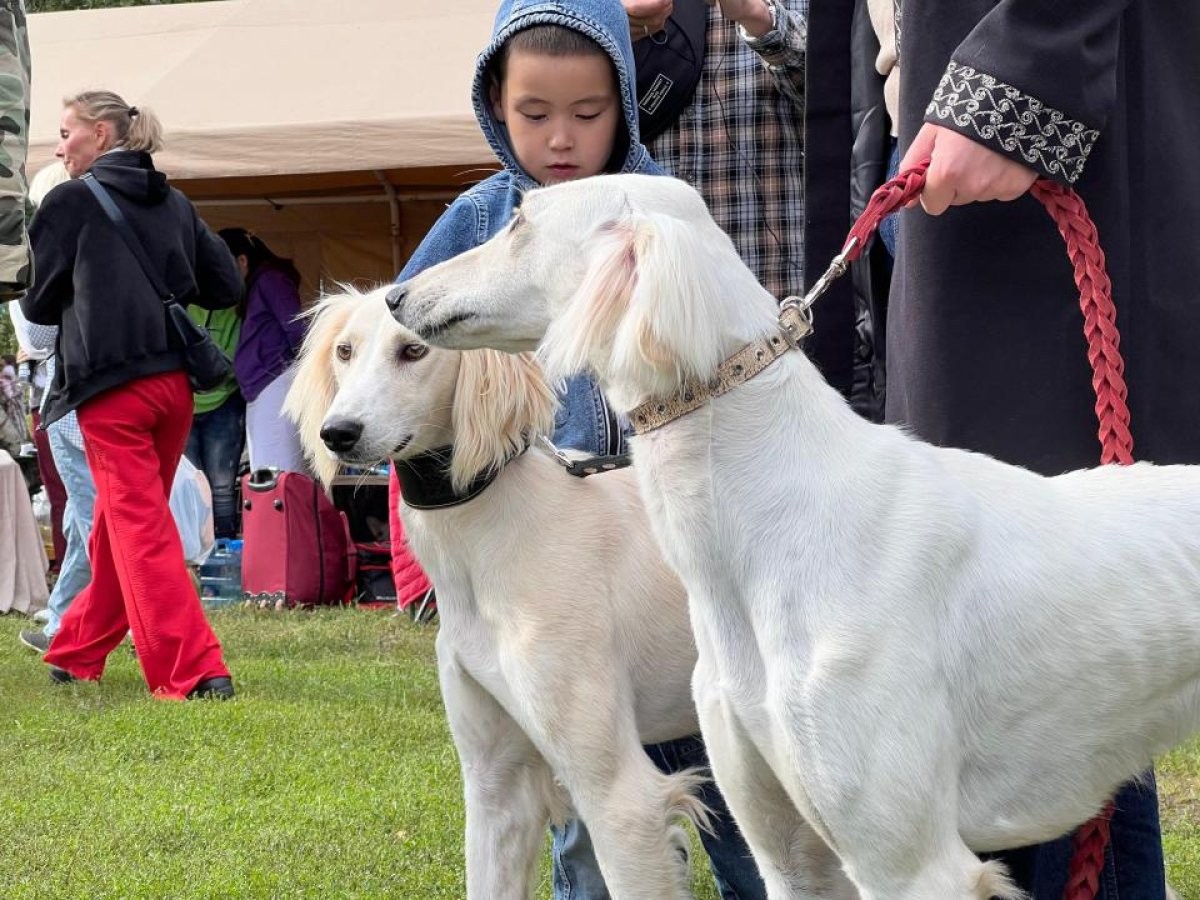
<point>1108,381</point>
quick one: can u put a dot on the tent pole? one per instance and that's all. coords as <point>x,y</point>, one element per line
<point>394,204</point>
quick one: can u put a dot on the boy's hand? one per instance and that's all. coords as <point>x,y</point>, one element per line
<point>753,15</point>
<point>647,16</point>
<point>963,171</point>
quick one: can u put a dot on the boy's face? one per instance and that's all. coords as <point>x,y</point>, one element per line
<point>562,113</point>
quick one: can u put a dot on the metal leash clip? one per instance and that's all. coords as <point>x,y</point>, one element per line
<point>587,465</point>
<point>836,270</point>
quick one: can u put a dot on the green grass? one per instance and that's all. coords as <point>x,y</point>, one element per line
<point>331,775</point>
<point>1179,800</point>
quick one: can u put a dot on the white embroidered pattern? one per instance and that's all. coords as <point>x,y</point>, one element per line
<point>999,113</point>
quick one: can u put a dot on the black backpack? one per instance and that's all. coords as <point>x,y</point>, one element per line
<point>668,65</point>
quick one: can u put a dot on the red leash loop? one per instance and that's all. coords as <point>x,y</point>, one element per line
<point>1108,381</point>
<point>1095,291</point>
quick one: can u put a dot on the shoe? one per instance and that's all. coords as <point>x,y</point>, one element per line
<point>35,640</point>
<point>219,688</point>
<point>42,615</point>
<point>61,676</point>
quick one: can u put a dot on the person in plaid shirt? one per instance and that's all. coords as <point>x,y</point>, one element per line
<point>740,142</point>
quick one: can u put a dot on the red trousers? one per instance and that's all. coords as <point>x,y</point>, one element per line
<point>134,435</point>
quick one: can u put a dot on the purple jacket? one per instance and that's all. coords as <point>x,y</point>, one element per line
<point>271,334</point>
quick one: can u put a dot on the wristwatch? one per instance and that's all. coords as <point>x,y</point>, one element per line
<point>766,36</point>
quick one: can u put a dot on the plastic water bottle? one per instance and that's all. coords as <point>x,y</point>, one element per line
<point>233,569</point>
<point>41,512</point>
<point>221,574</point>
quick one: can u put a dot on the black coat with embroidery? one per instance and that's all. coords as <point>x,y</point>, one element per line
<point>985,339</point>
<point>112,325</point>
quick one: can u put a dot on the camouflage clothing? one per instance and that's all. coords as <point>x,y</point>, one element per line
<point>15,269</point>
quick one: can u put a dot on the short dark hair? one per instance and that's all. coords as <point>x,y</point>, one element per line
<point>548,40</point>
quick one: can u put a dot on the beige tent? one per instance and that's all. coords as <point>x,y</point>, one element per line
<point>337,131</point>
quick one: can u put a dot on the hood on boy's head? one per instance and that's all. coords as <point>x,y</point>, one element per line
<point>605,22</point>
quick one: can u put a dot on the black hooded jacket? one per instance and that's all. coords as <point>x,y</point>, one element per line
<point>846,151</point>
<point>112,325</point>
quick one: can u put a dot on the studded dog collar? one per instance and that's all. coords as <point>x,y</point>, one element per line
<point>795,322</point>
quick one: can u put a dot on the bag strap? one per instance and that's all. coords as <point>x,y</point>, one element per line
<point>131,240</point>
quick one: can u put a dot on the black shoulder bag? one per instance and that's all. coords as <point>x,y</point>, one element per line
<point>668,64</point>
<point>207,366</point>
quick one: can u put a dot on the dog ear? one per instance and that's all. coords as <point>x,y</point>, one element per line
<point>501,400</point>
<point>313,390</point>
<point>673,318</point>
<point>594,312</point>
<point>648,305</point>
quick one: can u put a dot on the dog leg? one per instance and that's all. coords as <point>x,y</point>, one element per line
<point>793,860</point>
<point>508,787</point>
<point>891,817</point>
<point>633,813</point>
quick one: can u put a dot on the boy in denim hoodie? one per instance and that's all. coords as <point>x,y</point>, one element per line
<point>554,94</point>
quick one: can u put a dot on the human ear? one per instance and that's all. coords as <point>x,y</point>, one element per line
<point>494,95</point>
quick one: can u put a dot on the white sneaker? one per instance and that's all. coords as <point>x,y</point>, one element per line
<point>42,615</point>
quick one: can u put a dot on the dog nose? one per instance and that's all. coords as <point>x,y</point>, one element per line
<point>341,435</point>
<point>395,297</point>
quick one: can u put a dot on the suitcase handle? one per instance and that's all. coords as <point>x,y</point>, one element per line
<point>262,480</point>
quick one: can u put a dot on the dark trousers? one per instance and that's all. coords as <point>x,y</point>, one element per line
<point>56,493</point>
<point>214,446</point>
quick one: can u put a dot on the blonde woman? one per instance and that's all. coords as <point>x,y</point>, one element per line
<point>125,379</point>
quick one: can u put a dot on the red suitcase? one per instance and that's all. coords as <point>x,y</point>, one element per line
<point>297,549</point>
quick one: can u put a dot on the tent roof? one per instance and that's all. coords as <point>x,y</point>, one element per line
<point>293,96</point>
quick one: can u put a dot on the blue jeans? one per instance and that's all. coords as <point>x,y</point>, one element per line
<point>577,876</point>
<point>1133,862</point>
<point>214,446</point>
<point>583,421</point>
<point>76,571</point>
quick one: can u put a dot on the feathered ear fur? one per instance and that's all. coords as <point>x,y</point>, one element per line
<point>500,401</point>
<point>645,312</point>
<point>590,320</point>
<point>314,388</point>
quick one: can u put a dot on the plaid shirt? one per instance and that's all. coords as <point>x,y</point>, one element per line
<point>44,337</point>
<point>740,142</point>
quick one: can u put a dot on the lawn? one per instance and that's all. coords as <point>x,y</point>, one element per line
<point>331,775</point>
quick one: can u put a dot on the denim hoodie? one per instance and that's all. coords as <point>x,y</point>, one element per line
<point>584,420</point>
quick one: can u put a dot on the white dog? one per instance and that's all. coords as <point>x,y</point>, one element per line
<point>923,651</point>
<point>564,642</point>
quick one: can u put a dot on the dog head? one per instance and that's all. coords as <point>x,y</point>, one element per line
<point>625,276</point>
<point>368,389</point>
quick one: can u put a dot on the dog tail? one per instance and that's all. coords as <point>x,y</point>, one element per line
<point>682,804</point>
<point>993,883</point>
<point>683,798</point>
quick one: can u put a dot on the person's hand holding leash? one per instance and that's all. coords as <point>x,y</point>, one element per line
<point>962,171</point>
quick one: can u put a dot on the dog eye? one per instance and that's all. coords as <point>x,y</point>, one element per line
<point>344,352</point>
<point>413,351</point>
